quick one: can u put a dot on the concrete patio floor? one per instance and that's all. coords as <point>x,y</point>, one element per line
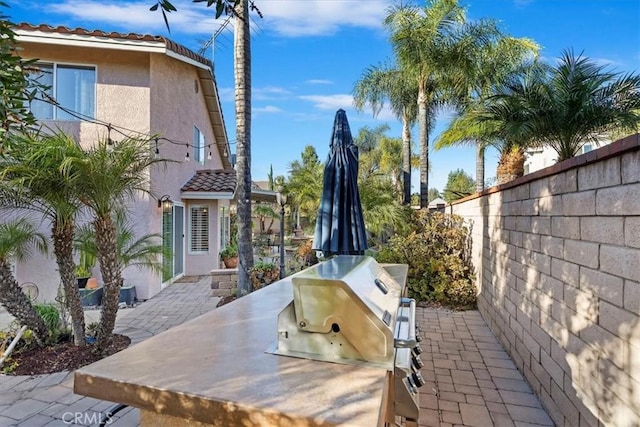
<point>470,379</point>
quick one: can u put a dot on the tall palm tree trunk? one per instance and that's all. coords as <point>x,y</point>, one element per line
<point>423,119</point>
<point>106,242</point>
<point>406,160</point>
<point>18,305</point>
<point>242,72</point>
<point>479,166</point>
<point>63,249</point>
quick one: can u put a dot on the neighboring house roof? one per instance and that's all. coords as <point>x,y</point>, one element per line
<point>210,184</point>
<point>437,201</point>
<point>81,37</point>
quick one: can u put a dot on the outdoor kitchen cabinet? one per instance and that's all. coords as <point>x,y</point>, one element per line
<point>216,370</point>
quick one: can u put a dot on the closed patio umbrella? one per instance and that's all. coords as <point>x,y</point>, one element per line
<point>340,226</point>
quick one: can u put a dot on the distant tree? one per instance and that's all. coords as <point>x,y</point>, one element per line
<point>434,194</point>
<point>304,184</point>
<point>459,185</point>
<point>415,199</point>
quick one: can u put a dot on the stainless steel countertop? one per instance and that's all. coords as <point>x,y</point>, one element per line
<point>215,369</point>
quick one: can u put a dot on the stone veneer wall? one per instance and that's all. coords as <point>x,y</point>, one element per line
<point>557,255</point>
<point>224,282</point>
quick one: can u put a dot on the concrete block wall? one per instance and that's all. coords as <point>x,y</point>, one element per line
<point>557,254</point>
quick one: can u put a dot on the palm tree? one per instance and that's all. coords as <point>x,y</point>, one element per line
<point>434,45</point>
<point>16,239</point>
<point>419,38</point>
<point>385,82</point>
<point>576,102</point>
<point>108,176</point>
<point>32,177</point>
<point>496,61</point>
<point>242,72</point>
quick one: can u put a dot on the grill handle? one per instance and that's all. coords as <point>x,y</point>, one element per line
<point>408,338</point>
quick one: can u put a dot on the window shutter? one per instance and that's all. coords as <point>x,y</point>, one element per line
<point>199,229</point>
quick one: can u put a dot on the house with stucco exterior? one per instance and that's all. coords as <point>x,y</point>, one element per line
<point>109,85</point>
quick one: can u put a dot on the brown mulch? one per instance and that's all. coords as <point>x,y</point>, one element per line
<point>62,357</point>
<point>226,300</point>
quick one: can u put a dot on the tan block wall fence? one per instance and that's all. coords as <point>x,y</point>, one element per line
<point>557,255</point>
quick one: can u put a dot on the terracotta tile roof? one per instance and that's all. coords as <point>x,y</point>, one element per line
<point>171,45</point>
<point>216,181</point>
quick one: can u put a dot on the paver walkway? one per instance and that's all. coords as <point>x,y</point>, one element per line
<point>470,379</point>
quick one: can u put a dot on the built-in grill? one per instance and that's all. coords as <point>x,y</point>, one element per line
<point>352,310</point>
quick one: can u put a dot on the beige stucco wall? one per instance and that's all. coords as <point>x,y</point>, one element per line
<point>152,94</point>
<point>176,107</point>
<point>558,261</point>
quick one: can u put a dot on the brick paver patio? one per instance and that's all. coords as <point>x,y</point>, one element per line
<point>470,379</point>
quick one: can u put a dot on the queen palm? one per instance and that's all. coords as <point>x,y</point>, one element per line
<point>109,176</point>
<point>499,58</point>
<point>32,179</point>
<point>16,240</point>
<point>575,102</point>
<point>432,44</point>
<point>388,82</point>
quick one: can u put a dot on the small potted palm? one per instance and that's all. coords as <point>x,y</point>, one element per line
<point>85,266</point>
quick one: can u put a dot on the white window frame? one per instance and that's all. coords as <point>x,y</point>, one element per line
<point>54,85</point>
<point>198,145</point>
<point>206,225</point>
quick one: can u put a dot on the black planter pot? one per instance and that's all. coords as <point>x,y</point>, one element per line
<point>82,282</point>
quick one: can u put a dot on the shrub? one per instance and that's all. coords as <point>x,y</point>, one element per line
<point>437,249</point>
<point>263,274</point>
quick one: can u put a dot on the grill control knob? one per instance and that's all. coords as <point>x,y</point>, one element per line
<point>417,379</point>
<point>416,362</point>
<point>413,387</point>
<point>417,350</point>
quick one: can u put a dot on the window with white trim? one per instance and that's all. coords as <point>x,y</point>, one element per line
<point>198,145</point>
<point>199,229</point>
<point>72,86</point>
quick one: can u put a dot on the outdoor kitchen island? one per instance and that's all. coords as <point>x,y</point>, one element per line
<point>216,370</point>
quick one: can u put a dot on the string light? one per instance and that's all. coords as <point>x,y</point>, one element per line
<point>187,159</point>
<point>121,130</point>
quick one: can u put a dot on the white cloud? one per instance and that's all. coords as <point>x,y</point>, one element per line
<point>136,16</point>
<point>285,17</point>
<point>329,102</point>
<point>319,82</point>
<point>321,17</point>
<point>269,92</point>
<point>267,109</point>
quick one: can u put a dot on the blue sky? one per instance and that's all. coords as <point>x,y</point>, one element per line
<point>307,55</point>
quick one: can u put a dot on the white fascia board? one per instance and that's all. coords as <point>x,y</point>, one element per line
<point>188,60</point>
<point>90,41</point>
<point>206,195</point>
